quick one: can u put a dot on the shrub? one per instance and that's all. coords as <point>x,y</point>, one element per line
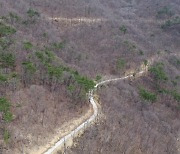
<point>8,116</point>
<point>174,83</point>
<point>60,45</point>
<point>121,63</point>
<point>146,95</point>
<point>14,16</point>
<point>7,60</point>
<point>27,45</point>
<point>86,83</point>
<point>3,78</point>
<point>176,95</point>
<point>158,72</point>
<point>170,23</point>
<point>29,67</point>
<point>4,105</point>
<point>123,29</point>
<point>50,55</point>
<point>31,13</point>
<point>40,55</point>
<point>71,88</point>
<point>145,62</point>
<point>6,30</point>
<point>45,57</point>
<point>141,52</point>
<point>5,43</point>
<point>5,108</point>
<point>98,78</point>
<point>55,71</point>
<point>6,136</point>
<point>165,11</point>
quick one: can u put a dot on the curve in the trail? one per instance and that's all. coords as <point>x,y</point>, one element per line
<point>69,136</point>
<point>143,69</point>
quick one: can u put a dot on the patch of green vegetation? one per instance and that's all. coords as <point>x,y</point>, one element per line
<point>14,75</point>
<point>5,108</point>
<point>45,56</point>
<point>158,72</point>
<point>146,95</point>
<point>60,45</point>
<point>29,67</point>
<point>165,11</point>
<point>121,63</point>
<point>14,16</point>
<point>45,35</point>
<point>173,93</point>
<point>27,45</point>
<point>28,22</point>
<point>8,116</point>
<point>55,71</point>
<point>31,13</point>
<point>123,29</point>
<point>174,83</point>
<point>4,18</point>
<point>98,78</point>
<point>141,52</point>
<point>50,55</point>
<point>145,62</point>
<point>71,88</point>
<point>6,30</point>
<point>7,60</point>
<point>3,78</point>
<point>176,95</point>
<point>4,105</point>
<point>6,136</point>
<point>40,55</point>
<point>5,43</point>
<point>85,82</point>
<point>170,23</point>
<point>177,77</point>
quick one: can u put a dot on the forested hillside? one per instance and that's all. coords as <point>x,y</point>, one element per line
<point>53,52</point>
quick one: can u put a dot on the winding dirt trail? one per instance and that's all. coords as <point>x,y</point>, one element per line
<point>77,131</point>
<point>67,140</point>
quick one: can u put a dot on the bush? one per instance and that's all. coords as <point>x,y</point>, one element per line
<point>123,29</point>
<point>14,16</point>
<point>165,11</point>
<point>176,95</point>
<point>121,63</point>
<point>4,105</point>
<point>145,62</point>
<point>5,43</point>
<point>27,45</point>
<point>45,56</point>
<point>6,30</point>
<point>5,108</point>
<point>170,23</point>
<point>146,95</point>
<point>60,45</point>
<point>98,78</point>
<point>29,67</point>
<point>6,136</point>
<point>7,60</point>
<point>86,83</point>
<point>8,116</point>
<point>158,72</point>
<point>55,71</point>
<point>31,13</point>
<point>141,52</point>
<point>3,78</point>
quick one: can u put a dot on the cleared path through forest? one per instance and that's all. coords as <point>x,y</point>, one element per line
<point>69,137</point>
